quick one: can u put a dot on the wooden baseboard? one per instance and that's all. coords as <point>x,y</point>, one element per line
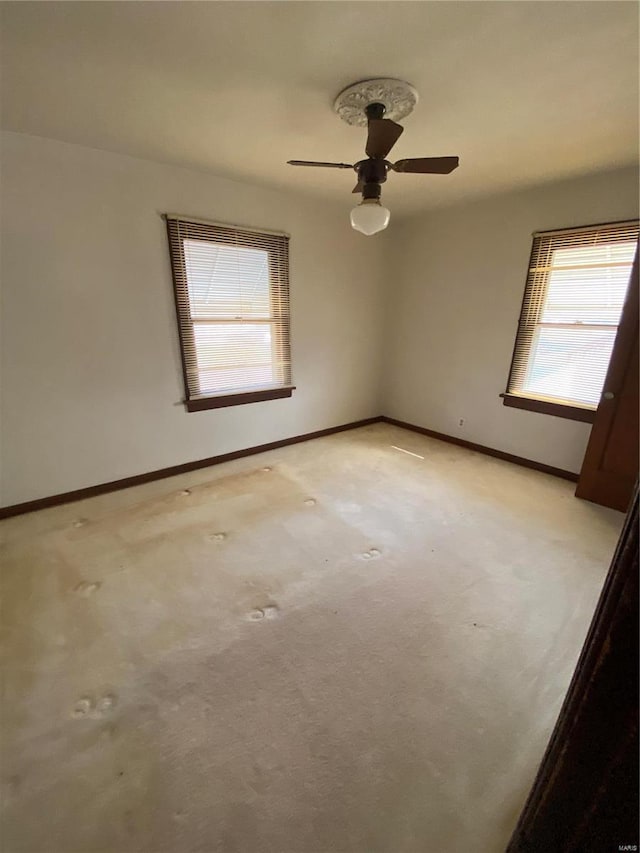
<point>139,479</point>
<point>488,451</point>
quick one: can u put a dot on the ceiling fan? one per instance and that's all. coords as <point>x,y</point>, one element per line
<point>368,103</point>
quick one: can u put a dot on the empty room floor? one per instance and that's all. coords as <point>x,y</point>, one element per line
<point>335,646</point>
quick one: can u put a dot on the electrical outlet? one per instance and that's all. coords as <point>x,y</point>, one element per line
<point>461,422</point>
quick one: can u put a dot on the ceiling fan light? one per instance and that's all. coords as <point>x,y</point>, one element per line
<point>370,216</point>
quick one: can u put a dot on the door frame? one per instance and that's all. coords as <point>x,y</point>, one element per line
<point>585,796</point>
<point>594,484</point>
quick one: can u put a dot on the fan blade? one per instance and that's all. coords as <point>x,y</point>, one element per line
<point>358,187</point>
<point>427,165</point>
<point>383,135</point>
<point>316,163</point>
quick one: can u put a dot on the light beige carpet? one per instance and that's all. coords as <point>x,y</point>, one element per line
<point>337,646</point>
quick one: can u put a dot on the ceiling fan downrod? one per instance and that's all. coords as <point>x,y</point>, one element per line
<point>374,111</point>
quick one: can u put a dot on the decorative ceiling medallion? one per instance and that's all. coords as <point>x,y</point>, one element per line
<point>398,97</point>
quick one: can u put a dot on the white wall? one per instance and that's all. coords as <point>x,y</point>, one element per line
<point>92,383</point>
<point>453,308</point>
<point>91,377</point>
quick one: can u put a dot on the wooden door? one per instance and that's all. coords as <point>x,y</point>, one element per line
<point>610,466</point>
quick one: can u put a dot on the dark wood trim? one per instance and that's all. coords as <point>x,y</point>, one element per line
<point>585,796</point>
<point>610,465</point>
<point>546,407</point>
<point>488,451</point>
<point>174,470</point>
<point>219,401</point>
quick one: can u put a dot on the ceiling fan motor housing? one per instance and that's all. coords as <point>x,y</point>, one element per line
<point>372,171</point>
<point>375,110</point>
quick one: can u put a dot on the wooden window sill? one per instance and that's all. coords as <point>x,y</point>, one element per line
<point>201,404</point>
<point>546,407</point>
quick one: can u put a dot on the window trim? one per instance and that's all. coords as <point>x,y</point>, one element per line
<point>237,398</point>
<point>542,405</point>
<point>241,396</point>
<point>549,407</point>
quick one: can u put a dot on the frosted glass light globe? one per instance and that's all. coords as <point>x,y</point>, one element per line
<point>370,216</point>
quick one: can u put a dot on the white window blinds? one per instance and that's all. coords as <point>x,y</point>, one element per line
<point>232,301</point>
<point>573,301</point>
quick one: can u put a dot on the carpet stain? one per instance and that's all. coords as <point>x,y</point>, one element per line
<point>371,554</point>
<point>87,588</point>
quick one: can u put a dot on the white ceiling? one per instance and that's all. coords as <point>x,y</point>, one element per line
<point>523,92</point>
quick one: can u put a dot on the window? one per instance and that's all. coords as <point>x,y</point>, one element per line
<point>232,301</point>
<point>572,305</point>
